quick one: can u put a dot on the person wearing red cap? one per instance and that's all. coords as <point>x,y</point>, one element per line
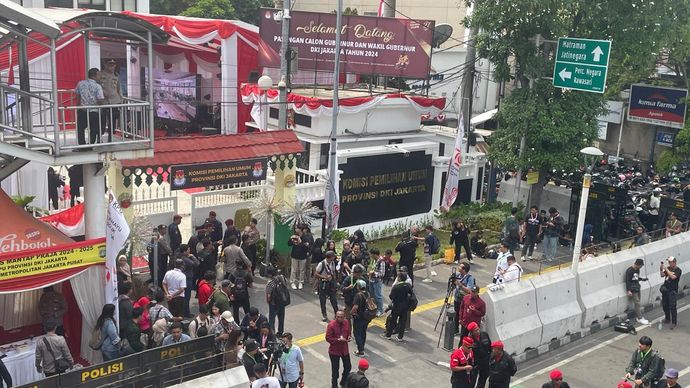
<point>472,309</point>
<point>482,352</point>
<point>461,364</point>
<point>556,377</point>
<point>624,384</point>
<point>501,366</point>
<point>358,379</point>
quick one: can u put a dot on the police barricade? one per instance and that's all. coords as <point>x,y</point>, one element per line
<point>656,253</point>
<point>620,263</point>
<point>597,290</point>
<point>557,307</point>
<point>158,367</point>
<point>511,316</point>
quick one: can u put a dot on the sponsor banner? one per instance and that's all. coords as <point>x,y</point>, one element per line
<point>45,261</point>
<point>381,187</point>
<point>657,105</point>
<point>369,45</point>
<point>186,176</point>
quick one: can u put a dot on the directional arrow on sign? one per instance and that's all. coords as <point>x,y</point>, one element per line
<point>598,52</point>
<point>565,74</point>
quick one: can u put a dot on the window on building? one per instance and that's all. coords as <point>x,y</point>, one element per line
<point>59,3</point>
<point>303,158</point>
<point>395,141</point>
<point>323,157</point>
<point>92,4</point>
<point>441,149</point>
<point>122,5</point>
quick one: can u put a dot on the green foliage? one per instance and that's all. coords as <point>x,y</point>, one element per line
<point>556,125</point>
<point>211,9</point>
<point>23,201</point>
<point>667,160</point>
<point>348,11</point>
<point>244,10</point>
<point>478,216</point>
<point>339,235</point>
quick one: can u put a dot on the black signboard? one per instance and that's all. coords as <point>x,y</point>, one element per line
<point>186,176</point>
<point>105,373</point>
<point>381,187</point>
<point>49,382</point>
<point>677,206</point>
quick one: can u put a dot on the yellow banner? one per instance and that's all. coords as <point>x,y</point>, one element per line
<point>43,261</point>
<point>532,177</point>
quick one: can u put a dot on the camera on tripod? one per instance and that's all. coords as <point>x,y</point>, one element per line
<point>275,349</point>
<point>454,275</point>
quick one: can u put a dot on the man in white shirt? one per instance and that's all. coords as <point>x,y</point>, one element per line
<point>514,271</point>
<point>263,381</point>
<point>174,283</point>
<point>654,204</point>
<point>501,262</point>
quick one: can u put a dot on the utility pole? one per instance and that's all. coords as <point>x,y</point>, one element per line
<point>523,141</point>
<point>468,84</point>
<point>284,76</point>
<point>332,200</point>
<point>389,9</point>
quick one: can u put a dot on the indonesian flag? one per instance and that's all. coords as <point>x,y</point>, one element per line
<point>450,192</point>
<point>70,222</point>
<point>116,234</point>
<point>382,4</point>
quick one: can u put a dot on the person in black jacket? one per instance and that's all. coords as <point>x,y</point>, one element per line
<point>76,182</point>
<point>501,366</point>
<point>298,256</point>
<point>482,353</point>
<point>632,286</point>
<point>556,377</point>
<point>174,233</point>
<point>643,364</point>
<point>407,248</point>
<point>400,299</point>
<point>460,236</point>
<point>216,233</point>
<point>55,183</point>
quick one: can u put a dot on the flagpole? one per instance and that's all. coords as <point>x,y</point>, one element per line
<point>332,204</point>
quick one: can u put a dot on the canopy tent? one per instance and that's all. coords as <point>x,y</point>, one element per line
<point>237,40</point>
<point>19,295</point>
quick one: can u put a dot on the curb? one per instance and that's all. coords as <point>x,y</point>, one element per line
<point>610,322</point>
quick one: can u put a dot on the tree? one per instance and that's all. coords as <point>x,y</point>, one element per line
<point>244,10</point>
<point>557,123</point>
<point>211,9</point>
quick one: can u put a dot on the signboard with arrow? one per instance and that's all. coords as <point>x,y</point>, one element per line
<point>582,64</point>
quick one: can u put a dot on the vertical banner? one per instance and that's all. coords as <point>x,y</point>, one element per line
<point>450,192</point>
<point>116,233</point>
<point>332,200</point>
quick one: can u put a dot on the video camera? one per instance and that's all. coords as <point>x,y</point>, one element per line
<point>275,349</point>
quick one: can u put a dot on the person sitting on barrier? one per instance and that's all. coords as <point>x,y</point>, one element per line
<point>501,366</point>
<point>556,377</point>
<point>632,286</point>
<point>643,364</point>
<point>514,271</point>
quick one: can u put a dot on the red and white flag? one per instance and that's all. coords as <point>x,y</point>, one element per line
<point>450,192</point>
<point>116,234</point>
<point>382,4</point>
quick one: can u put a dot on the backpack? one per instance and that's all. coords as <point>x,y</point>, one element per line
<point>357,380</point>
<point>512,229</point>
<point>412,301</point>
<point>390,272</point>
<point>201,331</point>
<point>435,245</point>
<point>369,309</point>
<point>96,341</point>
<point>240,288</point>
<point>280,295</point>
<point>660,368</point>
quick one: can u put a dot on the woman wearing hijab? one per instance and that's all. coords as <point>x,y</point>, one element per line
<point>124,271</point>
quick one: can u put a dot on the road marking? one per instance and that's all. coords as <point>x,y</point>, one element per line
<point>317,355</point>
<point>515,384</point>
<point>315,339</point>
<point>381,353</point>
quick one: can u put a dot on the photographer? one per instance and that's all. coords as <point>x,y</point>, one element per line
<point>463,283</point>
<point>250,358</point>
<point>291,364</point>
<point>643,364</point>
<point>298,256</point>
<point>325,272</point>
<point>669,290</point>
<point>266,342</point>
<point>632,285</point>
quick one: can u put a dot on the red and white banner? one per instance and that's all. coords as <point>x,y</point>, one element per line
<point>450,192</point>
<point>315,107</point>
<point>116,234</point>
<point>70,222</point>
<point>382,4</point>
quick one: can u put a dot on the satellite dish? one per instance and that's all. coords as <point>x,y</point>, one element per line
<point>442,33</point>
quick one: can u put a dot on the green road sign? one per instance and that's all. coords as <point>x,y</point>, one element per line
<point>581,64</point>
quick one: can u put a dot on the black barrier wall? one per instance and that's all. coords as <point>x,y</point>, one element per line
<point>157,367</point>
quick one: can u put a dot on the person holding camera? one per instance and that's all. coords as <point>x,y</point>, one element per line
<point>298,259</point>
<point>643,364</point>
<point>291,363</point>
<point>669,290</point>
<point>463,283</point>
<point>325,271</point>
<point>338,338</point>
<point>632,286</point>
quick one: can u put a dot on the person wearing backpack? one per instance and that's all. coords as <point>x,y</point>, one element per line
<point>241,280</point>
<point>358,379</point>
<point>52,353</point>
<point>645,366</point>
<point>200,325</point>
<point>111,344</point>
<point>501,366</point>
<point>277,297</point>
<point>325,272</point>
<point>431,247</point>
<point>400,299</point>
<point>361,316</point>
<point>511,230</point>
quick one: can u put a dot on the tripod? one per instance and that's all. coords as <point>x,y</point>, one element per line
<point>271,366</point>
<point>444,308</point>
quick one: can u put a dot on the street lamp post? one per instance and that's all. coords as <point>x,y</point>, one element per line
<point>591,154</point>
<point>265,82</point>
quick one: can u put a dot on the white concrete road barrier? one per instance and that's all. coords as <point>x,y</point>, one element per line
<point>557,306</point>
<point>620,264</point>
<point>597,290</point>
<point>512,316</point>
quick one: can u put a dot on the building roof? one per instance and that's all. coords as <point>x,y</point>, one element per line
<point>218,148</point>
